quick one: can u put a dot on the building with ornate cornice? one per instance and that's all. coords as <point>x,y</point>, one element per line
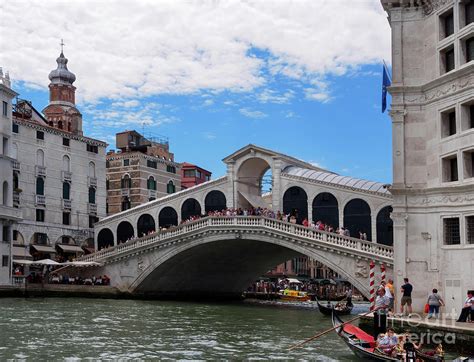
<point>8,214</point>
<point>141,170</point>
<point>58,174</point>
<point>433,146</point>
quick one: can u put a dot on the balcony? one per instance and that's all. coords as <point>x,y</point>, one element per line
<point>66,176</point>
<point>67,204</point>
<point>40,171</point>
<point>152,194</point>
<point>92,181</point>
<point>92,208</point>
<point>40,200</point>
<point>16,166</point>
<point>125,192</point>
<point>16,199</point>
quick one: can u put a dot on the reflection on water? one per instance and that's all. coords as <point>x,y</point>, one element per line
<point>58,329</point>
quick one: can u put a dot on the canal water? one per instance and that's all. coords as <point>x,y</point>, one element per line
<point>71,329</point>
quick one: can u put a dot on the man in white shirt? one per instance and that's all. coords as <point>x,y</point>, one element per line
<point>382,303</point>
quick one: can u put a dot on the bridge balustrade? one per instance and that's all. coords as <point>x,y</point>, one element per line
<point>309,234</point>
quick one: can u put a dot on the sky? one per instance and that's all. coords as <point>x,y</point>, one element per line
<point>301,77</point>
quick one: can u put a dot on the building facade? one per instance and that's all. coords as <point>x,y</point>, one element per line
<point>8,214</point>
<point>58,174</point>
<point>141,170</point>
<point>192,175</point>
<point>433,146</point>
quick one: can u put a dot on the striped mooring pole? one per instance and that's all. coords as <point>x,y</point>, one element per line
<point>372,285</point>
<point>382,271</point>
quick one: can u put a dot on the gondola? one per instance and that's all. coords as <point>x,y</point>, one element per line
<point>363,344</point>
<point>328,310</point>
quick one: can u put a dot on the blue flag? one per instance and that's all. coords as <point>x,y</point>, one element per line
<point>386,82</point>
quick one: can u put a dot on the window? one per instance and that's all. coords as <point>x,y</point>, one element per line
<point>198,174</point>
<point>125,204</point>
<point>126,162</point>
<point>40,158</point>
<point>40,186</point>
<point>5,146</point>
<point>449,60</point>
<point>92,169</point>
<point>16,182</point>
<point>91,195</point>
<point>151,183</point>
<point>66,163</point>
<point>5,109</point>
<point>107,164</point>
<point>468,157</point>
<point>170,188</point>
<point>152,164</point>
<point>189,173</point>
<point>40,135</point>
<point>40,238</point>
<point>469,12</point>
<point>126,182</point>
<point>66,218</point>
<point>6,233</point>
<point>450,169</point>
<point>470,229</point>
<point>92,221</point>
<point>471,115</point>
<point>92,148</point>
<point>107,184</point>
<point>446,24</point>
<point>66,141</point>
<point>5,261</point>
<point>40,215</point>
<point>469,49</point>
<point>171,169</point>
<point>15,235</point>
<point>448,123</point>
<point>451,231</point>
<point>66,191</point>
<point>208,177</point>
<point>15,128</point>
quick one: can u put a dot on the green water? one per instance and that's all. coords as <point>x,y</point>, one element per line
<point>59,329</point>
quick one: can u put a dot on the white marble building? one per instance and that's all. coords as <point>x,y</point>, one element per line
<point>8,214</point>
<point>433,146</point>
<point>59,174</point>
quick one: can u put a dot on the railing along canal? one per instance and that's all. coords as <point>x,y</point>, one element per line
<point>307,233</point>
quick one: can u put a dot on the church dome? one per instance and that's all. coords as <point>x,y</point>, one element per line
<point>61,75</point>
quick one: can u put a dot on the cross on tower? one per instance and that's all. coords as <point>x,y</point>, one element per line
<point>62,45</point>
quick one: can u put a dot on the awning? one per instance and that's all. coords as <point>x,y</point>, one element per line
<point>293,280</point>
<point>21,252</point>
<point>44,249</point>
<point>71,248</point>
<point>36,262</point>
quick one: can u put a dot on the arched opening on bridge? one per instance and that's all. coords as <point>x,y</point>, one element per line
<point>105,238</point>
<point>254,178</point>
<point>326,209</point>
<point>357,218</point>
<point>190,208</point>
<point>295,203</point>
<point>124,232</point>
<point>145,225</point>
<point>167,217</point>
<point>215,201</point>
<point>385,226</point>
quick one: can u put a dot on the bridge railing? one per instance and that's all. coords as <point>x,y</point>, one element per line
<point>251,221</point>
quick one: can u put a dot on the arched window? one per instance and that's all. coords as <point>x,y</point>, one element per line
<point>91,169</point>
<point>91,195</point>
<point>40,158</point>
<point>295,203</point>
<point>385,226</point>
<point>126,182</point>
<point>151,183</point>
<point>126,204</point>
<point>66,163</point>
<point>14,151</point>
<point>60,125</point>
<point>215,201</point>
<point>357,218</point>
<point>5,193</point>
<point>66,191</point>
<point>39,186</point>
<point>105,239</point>
<point>170,188</point>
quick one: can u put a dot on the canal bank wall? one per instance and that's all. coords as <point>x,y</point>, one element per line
<point>453,335</point>
<point>62,291</point>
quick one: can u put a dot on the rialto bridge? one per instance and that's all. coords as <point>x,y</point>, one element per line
<point>225,254</point>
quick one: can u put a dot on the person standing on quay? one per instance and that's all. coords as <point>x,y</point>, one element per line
<point>434,302</point>
<point>406,289</point>
<point>382,303</point>
<point>392,293</point>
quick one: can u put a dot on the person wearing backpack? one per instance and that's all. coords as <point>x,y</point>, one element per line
<point>434,302</point>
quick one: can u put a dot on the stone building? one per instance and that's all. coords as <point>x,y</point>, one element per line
<point>8,214</point>
<point>433,146</point>
<point>192,175</point>
<point>58,174</point>
<point>142,170</point>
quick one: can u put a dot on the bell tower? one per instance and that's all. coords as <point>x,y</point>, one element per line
<point>61,112</point>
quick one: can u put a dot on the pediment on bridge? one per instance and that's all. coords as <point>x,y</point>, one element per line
<point>252,150</point>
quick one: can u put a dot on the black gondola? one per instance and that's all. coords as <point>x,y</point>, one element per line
<point>327,310</point>
<point>363,344</point>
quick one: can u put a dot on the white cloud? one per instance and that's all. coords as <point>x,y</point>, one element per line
<point>208,102</point>
<point>209,136</point>
<point>127,104</point>
<point>251,113</point>
<point>272,96</point>
<point>120,50</point>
